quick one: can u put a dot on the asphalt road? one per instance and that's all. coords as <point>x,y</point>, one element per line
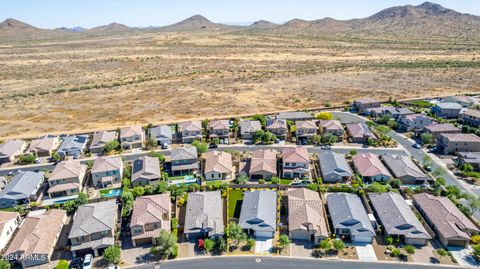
<point>277,263</point>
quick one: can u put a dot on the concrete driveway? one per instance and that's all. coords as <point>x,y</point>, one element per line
<point>263,245</point>
<point>463,257</point>
<point>365,252</point>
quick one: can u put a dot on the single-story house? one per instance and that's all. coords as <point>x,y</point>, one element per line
<point>144,170</point>
<point>359,132</point>
<point>452,227</point>
<point>218,166</point>
<point>132,137</point>
<point>248,128</point>
<point>93,228</point>
<point>37,237</point>
<point>22,189</point>
<point>452,143</point>
<point>334,167</point>
<point>190,131</point>
<point>370,168</point>
<point>263,164</point>
<point>472,158</point>
<point>184,161</point>
<point>398,219</point>
<point>43,147</point>
<point>349,217</point>
<point>306,216</point>
<point>107,171</point>
<point>296,162</point>
<point>163,134</point>
<point>463,100</point>
<point>258,215</point>
<point>361,105</point>
<point>73,145</point>
<point>204,215</point>
<point>403,168</point>
<point>100,139</point>
<point>67,179</point>
<point>11,149</point>
<point>295,116</point>
<point>150,215</point>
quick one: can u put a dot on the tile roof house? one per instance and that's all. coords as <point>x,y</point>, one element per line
<point>73,145</point>
<point>93,227</point>
<point>278,127</point>
<point>132,137</point>
<point>403,168</point>
<point>107,171</point>
<point>150,215</point>
<point>463,100</point>
<point>219,128</point>
<point>370,168</point>
<point>184,160</point>
<point>248,128</point>
<point>296,162</point>
<point>100,139</point>
<point>435,129</point>
<point>359,132</point>
<point>306,216</point>
<point>43,147</point>
<point>414,122</point>
<point>306,129</point>
<point>66,179</point>
<point>259,213</point>
<point>218,165</point>
<point>163,134</point>
<point>361,104</point>
<point>447,110</point>
<point>452,143</point>
<point>190,131</point>
<point>472,158</point>
<point>349,218</point>
<point>398,219</point>
<point>334,167</point>
<point>294,116</point>
<point>263,164</point>
<point>9,222</point>
<point>333,127</point>
<point>22,189</point>
<point>390,111</point>
<point>144,170</point>
<point>452,227</point>
<point>11,149</point>
<point>204,215</point>
<point>471,117</point>
<point>37,237</point>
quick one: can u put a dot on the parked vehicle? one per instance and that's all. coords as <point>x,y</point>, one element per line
<point>213,146</point>
<point>428,168</point>
<point>76,263</point>
<point>38,160</point>
<point>164,146</point>
<point>417,146</point>
<point>87,261</point>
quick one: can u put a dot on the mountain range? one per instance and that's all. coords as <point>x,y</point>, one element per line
<point>425,20</point>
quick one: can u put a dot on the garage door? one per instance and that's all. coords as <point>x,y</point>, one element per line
<point>299,235</point>
<point>143,241</point>
<point>457,243</point>
<point>264,234</point>
<point>362,239</point>
<point>416,241</point>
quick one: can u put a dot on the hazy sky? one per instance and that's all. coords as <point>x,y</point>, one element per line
<point>90,13</point>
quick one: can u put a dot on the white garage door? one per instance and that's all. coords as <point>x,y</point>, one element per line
<point>362,239</point>
<point>264,234</point>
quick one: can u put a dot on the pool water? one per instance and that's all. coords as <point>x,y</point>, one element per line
<point>112,193</point>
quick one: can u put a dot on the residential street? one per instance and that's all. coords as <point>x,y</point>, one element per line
<point>276,263</point>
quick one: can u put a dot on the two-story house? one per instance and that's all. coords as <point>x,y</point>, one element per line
<point>305,129</point>
<point>93,227</point>
<point>11,149</point>
<point>219,128</point>
<point>144,170</point>
<point>43,147</point>
<point>107,172</point>
<point>73,145</point>
<point>361,105</point>
<point>453,143</point>
<point>9,222</point>
<point>22,189</point>
<point>218,166</point>
<point>249,127</point>
<point>333,127</point>
<point>204,215</point>
<point>359,132</point>
<point>278,127</point>
<point>436,129</point>
<point>190,131</point>
<point>100,139</point>
<point>471,117</point>
<point>258,215</point>
<point>296,162</point>
<point>184,161</point>
<point>150,215</point>
<point>132,137</point>
<point>370,168</point>
<point>163,134</point>
<point>447,110</point>
<point>67,179</point>
<point>414,122</point>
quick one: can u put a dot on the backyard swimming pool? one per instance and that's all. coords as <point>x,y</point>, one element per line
<point>111,193</point>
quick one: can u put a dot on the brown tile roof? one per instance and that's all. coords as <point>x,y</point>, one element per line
<point>67,169</point>
<point>6,216</point>
<point>191,126</point>
<point>151,209</point>
<point>472,112</point>
<point>218,161</point>
<point>368,165</point>
<point>306,124</point>
<point>45,144</point>
<point>305,211</point>
<point>447,218</point>
<point>38,232</point>
<point>101,138</point>
<point>331,124</point>
<point>131,131</point>
<point>219,124</point>
<point>264,160</point>
<point>367,100</point>
<point>64,187</point>
<point>442,127</point>
<point>461,137</point>
<point>295,155</point>
<point>104,164</point>
<point>276,124</point>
